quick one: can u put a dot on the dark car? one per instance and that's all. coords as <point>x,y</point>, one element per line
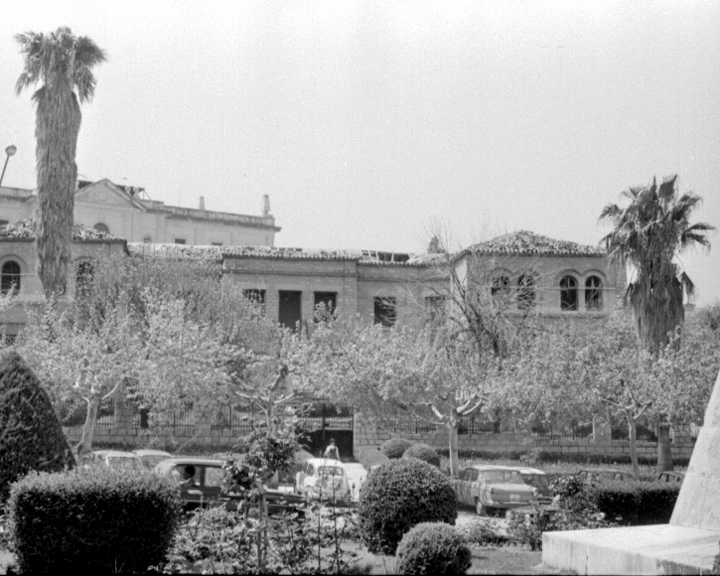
<point>201,482</point>
<point>671,476</point>
<point>604,474</point>
<point>539,481</point>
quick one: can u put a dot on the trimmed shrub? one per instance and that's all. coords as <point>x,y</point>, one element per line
<point>397,496</point>
<point>635,503</point>
<point>395,447</point>
<point>32,438</point>
<point>423,452</point>
<point>433,548</point>
<point>93,520</point>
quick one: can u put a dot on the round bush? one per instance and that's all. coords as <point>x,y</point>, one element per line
<point>395,447</point>
<point>433,548</point>
<point>423,452</point>
<point>397,496</point>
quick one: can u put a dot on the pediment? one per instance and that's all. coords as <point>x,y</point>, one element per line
<point>105,193</point>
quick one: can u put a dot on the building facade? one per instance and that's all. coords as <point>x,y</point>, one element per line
<point>126,212</point>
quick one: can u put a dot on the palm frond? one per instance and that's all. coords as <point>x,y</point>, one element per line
<point>688,286</point>
<point>667,188</point>
<point>610,212</point>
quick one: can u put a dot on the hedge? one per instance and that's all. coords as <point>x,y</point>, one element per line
<point>92,520</point>
<point>635,503</point>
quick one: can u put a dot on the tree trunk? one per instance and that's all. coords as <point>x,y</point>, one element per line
<point>452,426</point>
<point>632,433</point>
<point>56,131</point>
<point>85,444</point>
<point>664,453</point>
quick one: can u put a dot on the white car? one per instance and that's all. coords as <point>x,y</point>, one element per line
<point>356,475</point>
<point>324,479</point>
<point>151,458</point>
<point>116,459</point>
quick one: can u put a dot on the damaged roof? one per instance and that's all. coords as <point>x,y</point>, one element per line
<point>217,253</point>
<point>526,243</point>
<point>25,230</point>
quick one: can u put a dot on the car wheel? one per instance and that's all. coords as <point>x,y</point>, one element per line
<point>480,508</point>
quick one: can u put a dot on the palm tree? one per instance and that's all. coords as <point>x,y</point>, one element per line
<point>62,63</point>
<point>648,234</point>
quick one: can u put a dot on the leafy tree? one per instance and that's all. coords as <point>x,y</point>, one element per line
<point>649,234</point>
<point>385,371</point>
<point>83,359</point>
<point>62,63</point>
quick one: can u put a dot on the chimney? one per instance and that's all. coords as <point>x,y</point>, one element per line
<point>266,205</point>
<point>202,203</point>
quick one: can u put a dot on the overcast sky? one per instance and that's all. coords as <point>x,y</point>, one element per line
<point>368,123</point>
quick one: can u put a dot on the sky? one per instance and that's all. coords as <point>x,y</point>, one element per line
<point>373,125</point>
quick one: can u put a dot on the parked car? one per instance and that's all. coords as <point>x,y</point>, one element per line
<point>356,476</point>
<point>538,480</point>
<point>201,482</point>
<point>324,479</point>
<point>113,459</point>
<point>489,488</point>
<point>671,476</point>
<point>604,474</point>
<point>151,458</point>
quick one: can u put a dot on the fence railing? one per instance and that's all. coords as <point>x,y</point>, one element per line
<point>179,418</point>
<point>72,414</point>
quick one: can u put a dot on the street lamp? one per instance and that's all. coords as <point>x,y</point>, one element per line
<point>9,151</point>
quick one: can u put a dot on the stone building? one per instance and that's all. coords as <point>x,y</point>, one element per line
<point>558,281</point>
<point>127,212</point>
<point>17,266</point>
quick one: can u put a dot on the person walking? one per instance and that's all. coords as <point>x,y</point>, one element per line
<point>332,450</point>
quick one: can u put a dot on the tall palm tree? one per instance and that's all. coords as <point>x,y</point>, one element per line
<point>62,64</point>
<point>649,233</point>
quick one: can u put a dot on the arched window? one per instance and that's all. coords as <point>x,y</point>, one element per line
<point>100,227</point>
<point>593,293</point>
<point>83,278</point>
<point>568,294</point>
<point>526,292</point>
<point>500,286</point>
<point>10,277</point>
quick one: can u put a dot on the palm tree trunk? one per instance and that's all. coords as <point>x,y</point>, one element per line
<point>664,454</point>
<point>56,131</point>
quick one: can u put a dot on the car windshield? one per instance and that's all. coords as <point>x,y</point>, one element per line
<point>502,477</point>
<point>330,471</point>
<point>121,462</point>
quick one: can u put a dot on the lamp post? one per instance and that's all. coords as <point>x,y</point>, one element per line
<point>9,151</point>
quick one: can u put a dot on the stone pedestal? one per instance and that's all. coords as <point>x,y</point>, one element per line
<point>688,545</point>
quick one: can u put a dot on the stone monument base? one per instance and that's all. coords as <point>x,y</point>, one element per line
<point>657,549</point>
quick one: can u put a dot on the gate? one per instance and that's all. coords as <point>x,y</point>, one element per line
<point>325,421</point>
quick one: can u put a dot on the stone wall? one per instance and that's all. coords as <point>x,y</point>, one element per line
<point>368,436</point>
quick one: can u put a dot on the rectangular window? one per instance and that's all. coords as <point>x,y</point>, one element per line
<point>254,295</point>
<point>434,307</point>
<point>385,310</point>
<point>179,240</point>
<point>329,299</point>
<point>290,314</point>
